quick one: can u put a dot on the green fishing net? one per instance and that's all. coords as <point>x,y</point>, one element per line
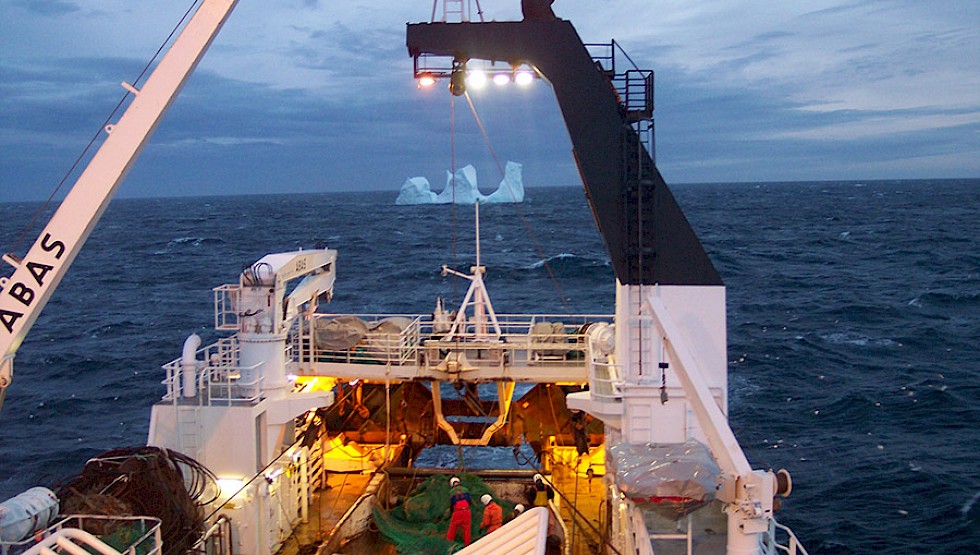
<point>418,525</point>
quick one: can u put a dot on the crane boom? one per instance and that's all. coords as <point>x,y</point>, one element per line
<point>25,292</point>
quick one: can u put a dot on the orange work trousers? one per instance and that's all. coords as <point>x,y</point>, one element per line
<point>460,518</point>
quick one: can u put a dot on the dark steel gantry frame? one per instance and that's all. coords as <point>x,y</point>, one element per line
<point>608,113</point>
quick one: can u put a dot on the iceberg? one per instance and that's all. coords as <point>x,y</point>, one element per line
<point>416,190</point>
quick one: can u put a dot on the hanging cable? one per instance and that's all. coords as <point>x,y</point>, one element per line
<point>571,503</point>
<point>520,212</point>
<point>452,182</point>
<point>95,137</point>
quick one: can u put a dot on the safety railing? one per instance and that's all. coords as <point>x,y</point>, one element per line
<point>231,384</point>
<point>218,376</point>
<point>529,339</point>
<point>606,382</point>
<point>226,301</point>
<point>99,534</point>
<point>216,540</point>
<point>633,86</point>
<point>781,539</point>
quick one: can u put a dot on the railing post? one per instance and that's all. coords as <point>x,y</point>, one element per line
<point>304,475</point>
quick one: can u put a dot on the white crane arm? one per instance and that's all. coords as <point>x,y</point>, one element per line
<point>27,290</point>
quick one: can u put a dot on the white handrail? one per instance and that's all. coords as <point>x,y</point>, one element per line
<point>73,541</point>
<point>771,544</point>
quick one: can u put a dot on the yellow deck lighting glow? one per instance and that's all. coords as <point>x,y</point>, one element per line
<point>230,486</point>
<point>426,80</point>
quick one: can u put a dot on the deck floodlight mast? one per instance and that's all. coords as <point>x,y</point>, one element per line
<point>25,292</point>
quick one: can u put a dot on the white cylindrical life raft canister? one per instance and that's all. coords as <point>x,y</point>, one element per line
<point>29,512</point>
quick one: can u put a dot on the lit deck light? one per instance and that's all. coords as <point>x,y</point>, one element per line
<point>230,486</point>
<point>524,78</point>
<point>476,79</point>
<point>426,80</point>
<point>501,79</point>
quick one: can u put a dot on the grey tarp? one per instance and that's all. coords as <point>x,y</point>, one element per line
<point>340,333</point>
<point>670,479</point>
<point>384,339</point>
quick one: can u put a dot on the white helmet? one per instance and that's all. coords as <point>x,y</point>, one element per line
<point>537,477</point>
<point>486,499</point>
<point>453,482</point>
<point>518,509</point>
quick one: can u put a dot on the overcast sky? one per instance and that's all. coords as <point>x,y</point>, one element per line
<point>311,95</point>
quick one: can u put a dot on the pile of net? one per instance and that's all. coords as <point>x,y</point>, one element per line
<point>418,524</point>
<point>145,481</point>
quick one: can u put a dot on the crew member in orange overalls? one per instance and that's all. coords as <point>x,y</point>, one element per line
<point>459,503</point>
<point>493,515</point>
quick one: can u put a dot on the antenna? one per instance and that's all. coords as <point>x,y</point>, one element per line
<point>476,297</point>
<point>477,209</point>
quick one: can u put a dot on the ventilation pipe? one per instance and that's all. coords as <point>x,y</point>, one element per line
<point>188,364</point>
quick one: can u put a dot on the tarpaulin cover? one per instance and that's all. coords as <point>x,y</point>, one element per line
<point>385,336</point>
<point>340,333</point>
<point>670,479</point>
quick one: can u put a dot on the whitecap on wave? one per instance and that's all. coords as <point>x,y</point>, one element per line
<point>849,338</point>
<point>549,260</point>
<point>969,509</point>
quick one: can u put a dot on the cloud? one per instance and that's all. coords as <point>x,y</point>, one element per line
<point>47,7</point>
<point>322,92</point>
<point>866,126</point>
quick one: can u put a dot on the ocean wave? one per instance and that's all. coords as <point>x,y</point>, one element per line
<point>568,263</point>
<point>194,241</point>
<point>859,340</point>
<point>969,509</point>
<point>551,260</point>
<point>943,299</point>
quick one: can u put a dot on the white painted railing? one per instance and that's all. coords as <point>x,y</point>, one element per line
<point>219,377</point>
<point>216,540</point>
<point>770,543</point>
<point>606,382</point>
<point>226,300</point>
<point>80,534</point>
<point>420,344</point>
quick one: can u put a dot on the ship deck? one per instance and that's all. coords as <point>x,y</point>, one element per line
<point>327,507</point>
<point>578,499</point>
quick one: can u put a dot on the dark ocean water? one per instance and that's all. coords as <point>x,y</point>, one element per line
<point>854,327</point>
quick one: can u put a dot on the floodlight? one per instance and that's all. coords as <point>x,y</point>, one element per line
<point>476,79</point>
<point>523,78</point>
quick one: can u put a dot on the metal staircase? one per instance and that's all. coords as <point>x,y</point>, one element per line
<point>634,86</point>
<point>635,94</point>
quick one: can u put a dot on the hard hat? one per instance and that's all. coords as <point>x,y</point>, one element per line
<point>486,499</point>
<point>454,481</point>
<point>518,509</point>
<point>537,477</point>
